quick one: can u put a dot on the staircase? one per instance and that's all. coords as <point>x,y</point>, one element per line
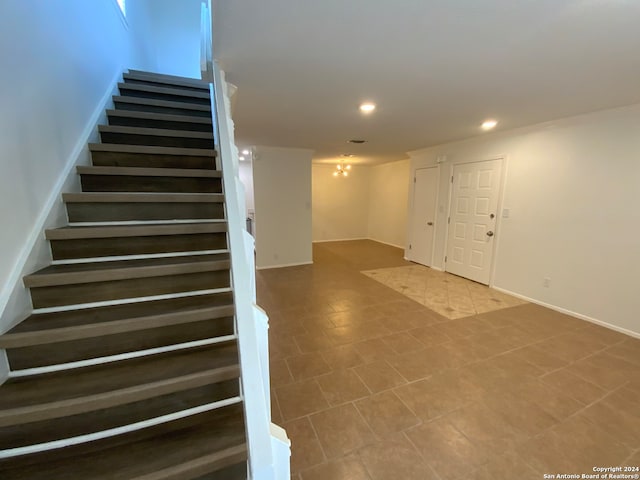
<point>128,367</point>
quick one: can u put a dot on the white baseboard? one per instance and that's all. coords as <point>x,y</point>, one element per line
<point>610,326</point>
<point>284,265</point>
<point>386,243</point>
<point>14,298</point>
<point>437,269</point>
<point>340,240</point>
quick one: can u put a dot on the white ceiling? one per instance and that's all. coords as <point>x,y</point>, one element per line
<point>435,68</point>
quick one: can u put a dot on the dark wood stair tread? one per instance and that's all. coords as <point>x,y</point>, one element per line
<point>80,390</point>
<point>165,90</point>
<point>160,103</point>
<point>151,150</point>
<point>69,233</point>
<point>67,274</point>
<point>33,433</point>
<point>149,172</point>
<point>181,450</point>
<point>163,117</point>
<point>166,79</point>
<point>158,132</point>
<point>82,323</point>
<point>129,197</point>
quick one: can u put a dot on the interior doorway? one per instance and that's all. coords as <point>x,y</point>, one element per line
<point>472,219</point>
<point>423,219</point>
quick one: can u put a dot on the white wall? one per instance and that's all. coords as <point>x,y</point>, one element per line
<point>340,204</point>
<point>175,30</point>
<point>60,62</point>
<point>571,190</point>
<point>388,194</point>
<point>282,190</point>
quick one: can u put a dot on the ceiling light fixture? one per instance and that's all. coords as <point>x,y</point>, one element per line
<point>356,141</point>
<point>342,170</point>
<point>348,155</point>
<point>489,124</point>
<point>241,158</point>
<point>367,107</point>
<point>245,152</point>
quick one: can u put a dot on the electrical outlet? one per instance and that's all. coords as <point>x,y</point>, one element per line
<point>546,282</point>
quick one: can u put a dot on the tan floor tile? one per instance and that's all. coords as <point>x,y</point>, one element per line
<point>307,365</point>
<point>395,458</point>
<point>342,386</point>
<point>402,342</point>
<point>606,371</point>
<point>441,393</point>
<point>446,449</point>
<point>347,468</point>
<point>555,403</point>
<point>312,342</point>
<point>525,416</point>
<point>305,447</point>
<point>341,430</point>
<point>430,336</point>
<point>371,350</point>
<point>342,357</point>
<point>488,374</point>
<point>279,373</point>
<point>282,347</point>
<point>576,445</point>
<point>619,422</point>
<point>628,350</point>
<point>379,376</point>
<point>541,359</point>
<point>276,414</point>
<point>504,370</point>
<point>577,388</point>
<point>485,427</point>
<point>423,363</point>
<point>570,347</point>
<point>386,414</point>
<point>508,465</point>
<point>300,399</point>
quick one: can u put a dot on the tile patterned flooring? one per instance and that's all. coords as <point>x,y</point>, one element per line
<point>372,385</point>
<point>450,296</point>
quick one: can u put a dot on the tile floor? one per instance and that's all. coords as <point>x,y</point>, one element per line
<point>450,296</point>
<point>372,385</point>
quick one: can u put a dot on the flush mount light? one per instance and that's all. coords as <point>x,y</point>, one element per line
<point>489,124</point>
<point>356,141</point>
<point>348,155</point>
<point>367,107</point>
<point>245,152</point>
<point>241,158</point>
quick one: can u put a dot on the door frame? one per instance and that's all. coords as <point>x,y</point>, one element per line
<point>501,189</point>
<point>412,194</point>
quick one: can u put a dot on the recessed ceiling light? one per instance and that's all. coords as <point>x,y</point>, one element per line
<point>245,152</point>
<point>367,107</point>
<point>241,158</point>
<point>489,124</point>
<point>356,141</point>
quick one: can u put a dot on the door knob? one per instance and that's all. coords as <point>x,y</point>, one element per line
<point>489,233</point>
<point>429,223</point>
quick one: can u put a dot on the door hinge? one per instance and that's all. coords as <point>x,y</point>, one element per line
<point>409,246</point>
<point>451,178</point>
<point>445,259</point>
<point>448,220</point>
<point>414,179</point>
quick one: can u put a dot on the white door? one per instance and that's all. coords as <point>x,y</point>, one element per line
<point>425,191</point>
<point>472,220</point>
